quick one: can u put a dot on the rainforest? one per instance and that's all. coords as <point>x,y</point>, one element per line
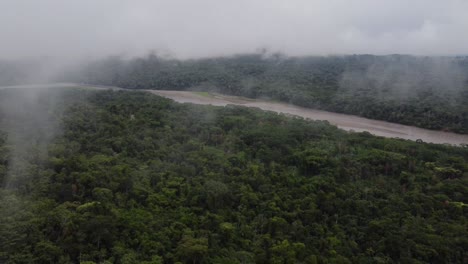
<point>233,132</point>
<point>129,177</point>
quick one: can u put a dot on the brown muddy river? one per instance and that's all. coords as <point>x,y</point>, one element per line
<point>343,121</point>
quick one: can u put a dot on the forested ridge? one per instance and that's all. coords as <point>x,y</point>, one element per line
<point>130,177</point>
<point>428,92</point>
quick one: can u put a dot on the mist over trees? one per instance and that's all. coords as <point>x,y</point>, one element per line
<point>258,158</point>
<point>136,178</point>
<point>428,92</point>
<point>14,73</point>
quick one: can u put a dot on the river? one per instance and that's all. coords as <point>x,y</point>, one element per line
<point>343,121</point>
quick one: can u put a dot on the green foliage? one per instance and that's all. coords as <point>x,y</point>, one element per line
<point>180,183</point>
<point>429,92</point>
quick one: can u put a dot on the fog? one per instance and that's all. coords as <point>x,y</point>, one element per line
<point>294,51</point>
<point>29,119</point>
<point>188,29</point>
<point>404,77</point>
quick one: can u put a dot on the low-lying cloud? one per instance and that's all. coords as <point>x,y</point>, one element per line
<point>187,29</point>
<point>405,77</point>
<point>29,119</point>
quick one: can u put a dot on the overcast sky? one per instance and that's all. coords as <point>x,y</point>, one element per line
<point>200,28</point>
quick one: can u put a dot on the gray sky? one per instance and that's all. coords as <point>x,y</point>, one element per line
<point>198,28</point>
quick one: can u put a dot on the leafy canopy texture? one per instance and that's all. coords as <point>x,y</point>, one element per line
<point>130,177</point>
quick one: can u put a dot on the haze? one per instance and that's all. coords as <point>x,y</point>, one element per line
<point>188,29</point>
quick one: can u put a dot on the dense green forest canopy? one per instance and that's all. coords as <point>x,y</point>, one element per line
<point>428,92</point>
<point>128,177</point>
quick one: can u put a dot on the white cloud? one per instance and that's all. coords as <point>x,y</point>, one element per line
<point>190,28</point>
